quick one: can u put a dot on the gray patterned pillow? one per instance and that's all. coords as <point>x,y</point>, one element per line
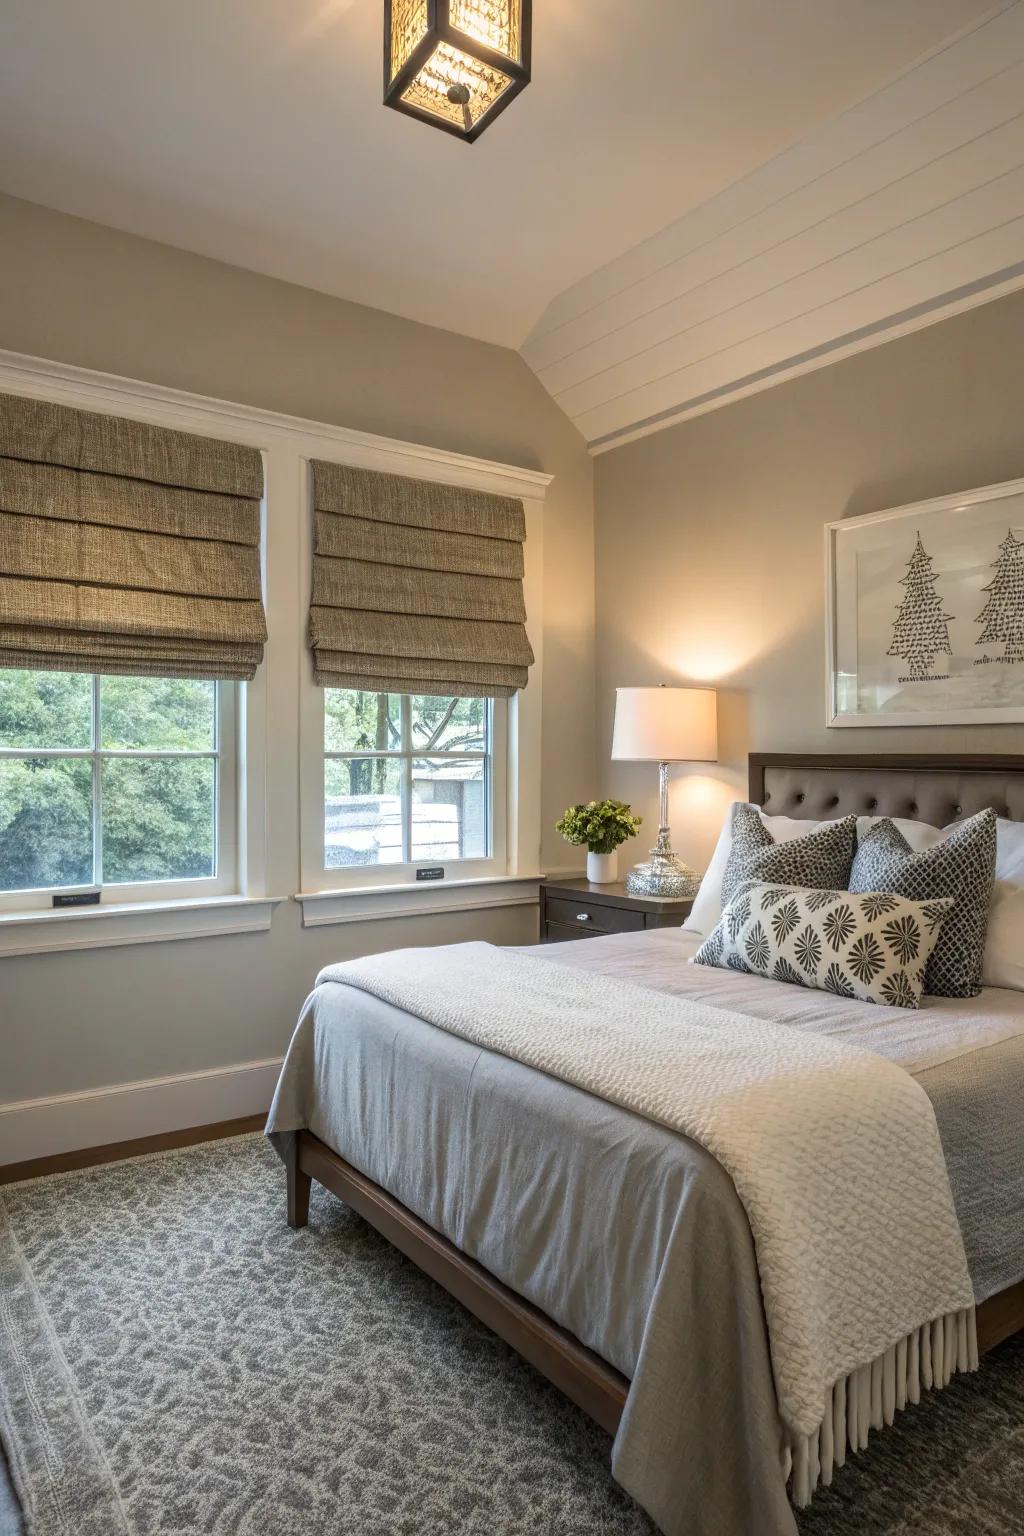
<point>822,858</point>
<point>872,947</point>
<point>962,865</point>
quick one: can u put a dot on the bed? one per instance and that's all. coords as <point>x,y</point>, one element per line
<point>609,1251</point>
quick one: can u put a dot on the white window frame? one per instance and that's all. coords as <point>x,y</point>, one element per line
<point>222,882</point>
<point>237,899</point>
<point>509,876</point>
<point>364,877</point>
<point>280,713</point>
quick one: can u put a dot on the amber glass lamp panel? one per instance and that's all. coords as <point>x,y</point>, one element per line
<point>454,62</point>
<point>448,67</point>
<point>495,23</point>
<point>409,25</point>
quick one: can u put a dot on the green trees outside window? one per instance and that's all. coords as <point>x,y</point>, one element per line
<point>406,778</point>
<point>106,780</point>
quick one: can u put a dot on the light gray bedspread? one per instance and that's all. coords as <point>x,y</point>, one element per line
<point>627,1234</point>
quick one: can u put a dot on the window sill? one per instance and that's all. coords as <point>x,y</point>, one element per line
<point>45,930</point>
<point>371,903</point>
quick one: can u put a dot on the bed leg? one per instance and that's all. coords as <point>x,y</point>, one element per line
<point>299,1184</point>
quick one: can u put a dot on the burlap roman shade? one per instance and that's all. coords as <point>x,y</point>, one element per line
<point>417,587</point>
<point>126,547</point>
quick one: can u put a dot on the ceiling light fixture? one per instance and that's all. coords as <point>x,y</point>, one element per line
<point>455,63</point>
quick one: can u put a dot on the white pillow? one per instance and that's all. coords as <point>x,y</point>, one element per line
<point>1004,948</point>
<point>706,912</point>
<point>1003,965</point>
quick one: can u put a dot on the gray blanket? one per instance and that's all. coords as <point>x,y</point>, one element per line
<point>628,1235</point>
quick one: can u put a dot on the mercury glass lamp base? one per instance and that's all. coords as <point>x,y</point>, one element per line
<point>663,875</point>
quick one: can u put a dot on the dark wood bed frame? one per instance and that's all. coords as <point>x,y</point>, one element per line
<point>583,1377</point>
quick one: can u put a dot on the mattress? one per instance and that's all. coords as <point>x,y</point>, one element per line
<point>967,1054</point>
<point>628,1234</point>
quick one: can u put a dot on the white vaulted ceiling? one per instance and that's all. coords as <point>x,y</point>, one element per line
<point>253,131</point>
<point>899,210</point>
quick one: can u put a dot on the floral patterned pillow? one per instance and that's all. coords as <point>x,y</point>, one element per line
<point>873,946</point>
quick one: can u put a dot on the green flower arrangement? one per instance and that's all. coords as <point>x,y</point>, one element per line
<point>601,824</point>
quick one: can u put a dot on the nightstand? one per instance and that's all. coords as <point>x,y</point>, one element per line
<point>575,909</point>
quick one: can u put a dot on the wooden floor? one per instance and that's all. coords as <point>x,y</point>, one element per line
<point>114,1151</point>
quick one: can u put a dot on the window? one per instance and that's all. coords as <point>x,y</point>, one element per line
<point>412,780</point>
<point>118,782</point>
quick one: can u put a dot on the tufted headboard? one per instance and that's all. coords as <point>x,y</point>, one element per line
<point>927,788</point>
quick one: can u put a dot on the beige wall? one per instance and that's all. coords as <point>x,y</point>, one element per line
<point>710,562</point>
<point>83,294</point>
<point>709,567</point>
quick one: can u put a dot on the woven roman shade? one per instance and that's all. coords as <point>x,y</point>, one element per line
<point>125,547</point>
<point>417,587</point>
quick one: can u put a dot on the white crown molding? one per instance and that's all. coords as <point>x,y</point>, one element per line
<point>68,1122</point>
<point>44,379</point>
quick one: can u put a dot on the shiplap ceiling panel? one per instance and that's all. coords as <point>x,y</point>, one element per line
<point>974,59</point>
<point>900,247</point>
<point>920,168</point>
<point>732,370</point>
<point>888,212</point>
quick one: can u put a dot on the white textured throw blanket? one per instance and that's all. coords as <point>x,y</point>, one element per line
<point>834,1153</point>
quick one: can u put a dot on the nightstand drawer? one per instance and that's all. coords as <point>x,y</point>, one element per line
<point>561,933</point>
<point>592,916</point>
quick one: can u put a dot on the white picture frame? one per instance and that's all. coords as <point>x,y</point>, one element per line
<point>925,612</point>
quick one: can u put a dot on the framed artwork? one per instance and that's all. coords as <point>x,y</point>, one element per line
<point>925,612</point>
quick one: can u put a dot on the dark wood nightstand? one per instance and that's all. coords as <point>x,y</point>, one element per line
<point>575,909</point>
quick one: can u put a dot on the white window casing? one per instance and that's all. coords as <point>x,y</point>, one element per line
<point>270,818</point>
<point>223,881</point>
<point>509,876</point>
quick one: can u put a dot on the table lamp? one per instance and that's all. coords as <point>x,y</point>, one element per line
<point>664,725</point>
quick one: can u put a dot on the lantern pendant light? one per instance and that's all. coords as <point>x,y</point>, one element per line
<point>455,63</point>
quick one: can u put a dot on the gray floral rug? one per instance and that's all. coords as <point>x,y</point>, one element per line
<point>174,1361</point>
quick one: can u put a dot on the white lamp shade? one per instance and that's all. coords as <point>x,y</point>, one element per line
<point>665,725</point>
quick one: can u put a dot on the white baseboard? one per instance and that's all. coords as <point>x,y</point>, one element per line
<point>70,1121</point>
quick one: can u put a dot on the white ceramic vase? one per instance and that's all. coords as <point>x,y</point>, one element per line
<point>602,868</point>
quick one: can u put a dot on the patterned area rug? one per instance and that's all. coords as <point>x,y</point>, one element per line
<point>174,1361</point>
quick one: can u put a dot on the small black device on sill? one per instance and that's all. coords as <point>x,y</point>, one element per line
<point>76,899</point>
<point>434,873</point>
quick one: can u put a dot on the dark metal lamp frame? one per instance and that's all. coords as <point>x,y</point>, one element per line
<point>440,30</point>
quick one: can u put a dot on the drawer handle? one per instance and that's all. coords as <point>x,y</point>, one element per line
<point>583,917</point>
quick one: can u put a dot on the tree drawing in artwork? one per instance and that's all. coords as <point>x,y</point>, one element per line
<point>921,630</point>
<point>1003,614</point>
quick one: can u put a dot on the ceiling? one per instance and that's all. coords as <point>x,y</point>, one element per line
<point>903,209</point>
<point>252,131</point>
